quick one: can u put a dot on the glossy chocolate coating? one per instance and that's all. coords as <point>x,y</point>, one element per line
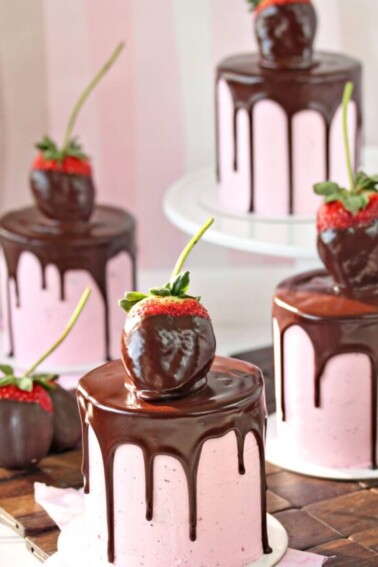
<point>285,35</point>
<point>62,196</point>
<point>351,255</point>
<point>337,322</point>
<point>318,88</point>
<point>168,357</point>
<point>67,425</point>
<point>26,432</point>
<point>232,400</point>
<point>83,246</point>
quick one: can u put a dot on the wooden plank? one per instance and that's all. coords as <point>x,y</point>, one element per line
<point>24,515</point>
<point>348,514</point>
<point>344,553</point>
<point>305,531</point>
<point>303,490</point>
<point>43,545</point>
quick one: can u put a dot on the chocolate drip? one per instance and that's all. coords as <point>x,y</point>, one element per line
<point>319,88</point>
<point>336,322</point>
<point>79,246</point>
<point>232,400</point>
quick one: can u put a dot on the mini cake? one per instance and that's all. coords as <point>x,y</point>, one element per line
<point>325,333</point>
<point>173,442</point>
<point>278,115</point>
<point>55,249</point>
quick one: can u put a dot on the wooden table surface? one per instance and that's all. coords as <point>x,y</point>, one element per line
<point>336,519</point>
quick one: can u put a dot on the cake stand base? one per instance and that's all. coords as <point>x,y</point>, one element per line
<point>284,458</point>
<point>74,551</point>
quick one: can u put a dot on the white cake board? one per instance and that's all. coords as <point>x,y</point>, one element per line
<point>74,550</point>
<point>283,457</point>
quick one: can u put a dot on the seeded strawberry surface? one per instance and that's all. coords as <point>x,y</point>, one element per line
<point>37,396</point>
<point>71,165</point>
<point>335,216</point>
<point>170,307</point>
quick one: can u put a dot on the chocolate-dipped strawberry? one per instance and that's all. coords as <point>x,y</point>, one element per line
<point>61,178</point>
<point>285,31</point>
<point>168,342</point>
<point>347,222</point>
<point>28,423</point>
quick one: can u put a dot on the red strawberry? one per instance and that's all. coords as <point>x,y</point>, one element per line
<point>37,395</point>
<point>168,342</point>
<point>61,178</point>
<point>285,31</point>
<point>348,222</point>
<point>26,421</point>
<point>334,215</point>
<point>70,164</point>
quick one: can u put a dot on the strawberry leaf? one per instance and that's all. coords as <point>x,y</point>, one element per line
<point>6,369</point>
<point>327,188</point>
<point>181,284</point>
<point>160,291</point>
<point>45,380</point>
<point>25,383</point>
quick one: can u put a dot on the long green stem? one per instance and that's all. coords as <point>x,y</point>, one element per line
<point>348,91</point>
<point>88,90</point>
<point>67,330</point>
<point>188,248</point>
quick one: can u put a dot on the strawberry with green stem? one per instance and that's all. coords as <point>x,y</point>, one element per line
<point>347,222</point>
<point>61,178</point>
<point>28,422</point>
<point>168,342</point>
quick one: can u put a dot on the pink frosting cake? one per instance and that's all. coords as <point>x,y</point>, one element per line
<point>326,361</point>
<point>180,482</point>
<point>46,265</point>
<point>278,117</point>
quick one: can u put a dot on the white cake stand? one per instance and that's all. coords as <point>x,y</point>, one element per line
<point>285,458</point>
<point>74,550</point>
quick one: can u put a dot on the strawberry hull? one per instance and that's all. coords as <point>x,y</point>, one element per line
<point>168,357</point>
<point>62,196</point>
<point>286,33</point>
<point>26,432</point>
<point>351,255</point>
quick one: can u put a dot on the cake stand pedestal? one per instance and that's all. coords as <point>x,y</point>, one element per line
<point>189,201</point>
<point>281,455</point>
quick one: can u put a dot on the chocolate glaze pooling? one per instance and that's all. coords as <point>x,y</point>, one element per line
<point>167,357</point>
<point>337,322</point>
<point>73,246</point>
<point>232,400</point>
<point>286,34</point>
<point>319,88</point>
<point>351,255</point>
<point>62,196</point>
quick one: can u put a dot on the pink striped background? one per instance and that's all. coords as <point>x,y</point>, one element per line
<point>151,120</point>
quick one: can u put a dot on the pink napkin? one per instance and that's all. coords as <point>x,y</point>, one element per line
<point>294,558</point>
<point>66,504</point>
<point>62,504</point>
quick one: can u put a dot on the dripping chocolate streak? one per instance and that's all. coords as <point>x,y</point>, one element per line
<point>232,400</point>
<point>80,246</point>
<point>319,88</point>
<point>336,324</point>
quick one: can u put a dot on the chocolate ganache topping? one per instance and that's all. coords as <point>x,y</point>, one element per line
<point>285,32</point>
<point>83,246</point>
<point>337,322</point>
<point>231,400</point>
